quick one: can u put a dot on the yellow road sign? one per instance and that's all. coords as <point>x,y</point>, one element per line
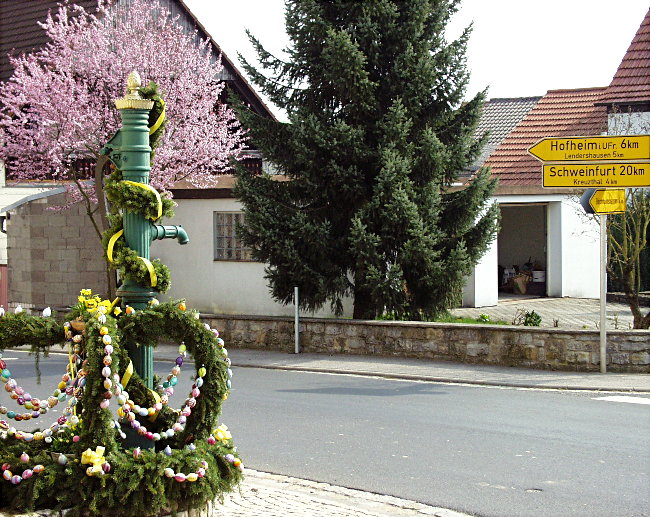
<point>592,148</point>
<point>604,201</point>
<point>602,175</point>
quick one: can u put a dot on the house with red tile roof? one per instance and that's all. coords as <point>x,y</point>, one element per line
<point>544,231</point>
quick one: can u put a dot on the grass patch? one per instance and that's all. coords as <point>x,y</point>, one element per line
<point>449,318</point>
<point>483,319</point>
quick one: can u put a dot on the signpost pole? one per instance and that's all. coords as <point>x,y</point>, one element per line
<point>296,323</point>
<point>603,293</point>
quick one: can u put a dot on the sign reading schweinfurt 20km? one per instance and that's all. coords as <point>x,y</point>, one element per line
<point>581,175</point>
<point>607,161</point>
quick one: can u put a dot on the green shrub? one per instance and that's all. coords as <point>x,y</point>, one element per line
<point>532,319</point>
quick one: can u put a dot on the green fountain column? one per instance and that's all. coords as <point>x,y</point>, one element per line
<point>129,150</point>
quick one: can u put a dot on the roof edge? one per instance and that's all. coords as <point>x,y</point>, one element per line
<point>33,197</point>
<point>225,58</point>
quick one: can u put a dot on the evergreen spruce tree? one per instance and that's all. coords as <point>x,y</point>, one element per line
<point>377,135</point>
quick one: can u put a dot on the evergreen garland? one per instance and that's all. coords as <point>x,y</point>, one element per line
<point>128,262</point>
<point>136,199</point>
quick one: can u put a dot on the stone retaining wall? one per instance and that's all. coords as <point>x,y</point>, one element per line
<point>533,347</point>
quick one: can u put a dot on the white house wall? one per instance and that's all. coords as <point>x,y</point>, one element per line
<point>554,239</point>
<point>580,253</point>
<point>525,229</point>
<point>219,287</point>
<point>482,286</point>
<point>636,123</point>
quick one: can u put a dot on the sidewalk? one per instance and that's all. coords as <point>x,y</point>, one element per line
<point>432,371</point>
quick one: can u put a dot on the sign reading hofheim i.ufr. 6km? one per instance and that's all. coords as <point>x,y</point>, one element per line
<point>594,161</point>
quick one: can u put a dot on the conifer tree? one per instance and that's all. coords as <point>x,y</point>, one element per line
<point>378,134</point>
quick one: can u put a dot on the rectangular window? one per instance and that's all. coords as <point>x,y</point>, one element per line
<point>227,246</point>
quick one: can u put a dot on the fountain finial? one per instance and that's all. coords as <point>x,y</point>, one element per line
<point>133,99</point>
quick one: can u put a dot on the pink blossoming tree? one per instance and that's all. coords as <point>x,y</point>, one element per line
<point>58,105</point>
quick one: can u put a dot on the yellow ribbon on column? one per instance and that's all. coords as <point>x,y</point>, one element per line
<point>127,374</point>
<point>152,272</point>
<point>111,244</point>
<point>147,263</point>
<point>160,120</point>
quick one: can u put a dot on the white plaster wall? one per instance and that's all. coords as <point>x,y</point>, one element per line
<point>580,251</point>
<point>232,287</point>
<point>522,235</point>
<point>572,245</point>
<point>226,287</point>
<point>554,278</point>
<point>482,286</point>
<point>628,123</point>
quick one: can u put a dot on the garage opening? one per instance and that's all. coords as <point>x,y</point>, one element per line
<point>521,248</point>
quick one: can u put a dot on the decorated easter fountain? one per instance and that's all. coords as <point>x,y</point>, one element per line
<point>147,458</point>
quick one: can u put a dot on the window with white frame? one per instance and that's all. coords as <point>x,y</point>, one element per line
<point>227,245</point>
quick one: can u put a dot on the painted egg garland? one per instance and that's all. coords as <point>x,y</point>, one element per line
<point>67,390</point>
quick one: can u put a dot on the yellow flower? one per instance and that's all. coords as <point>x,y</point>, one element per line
<point>94,458</point>
<point>117,311</point>
<point>221,433</point>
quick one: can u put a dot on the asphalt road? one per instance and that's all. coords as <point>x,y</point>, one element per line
<point>483,451</point>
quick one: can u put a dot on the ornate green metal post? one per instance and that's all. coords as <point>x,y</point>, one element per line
<point>129,150</point>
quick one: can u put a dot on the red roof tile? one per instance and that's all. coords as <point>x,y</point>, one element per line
<point>631,83</point>
<point>558,113</point>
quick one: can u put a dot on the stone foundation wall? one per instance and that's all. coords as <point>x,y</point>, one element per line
<point>627,351</point>
<point>52,255</point>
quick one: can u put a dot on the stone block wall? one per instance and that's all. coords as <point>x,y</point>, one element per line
<point>52,255</point>
<point>557,349</point>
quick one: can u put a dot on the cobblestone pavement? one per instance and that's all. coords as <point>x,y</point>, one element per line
<point>270,495</point>
<point>568,313</point>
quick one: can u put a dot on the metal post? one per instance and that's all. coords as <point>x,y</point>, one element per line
<point>603,293</point>
<point>135,156</point>
<point>296,321</point>
<point>129,150</point>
